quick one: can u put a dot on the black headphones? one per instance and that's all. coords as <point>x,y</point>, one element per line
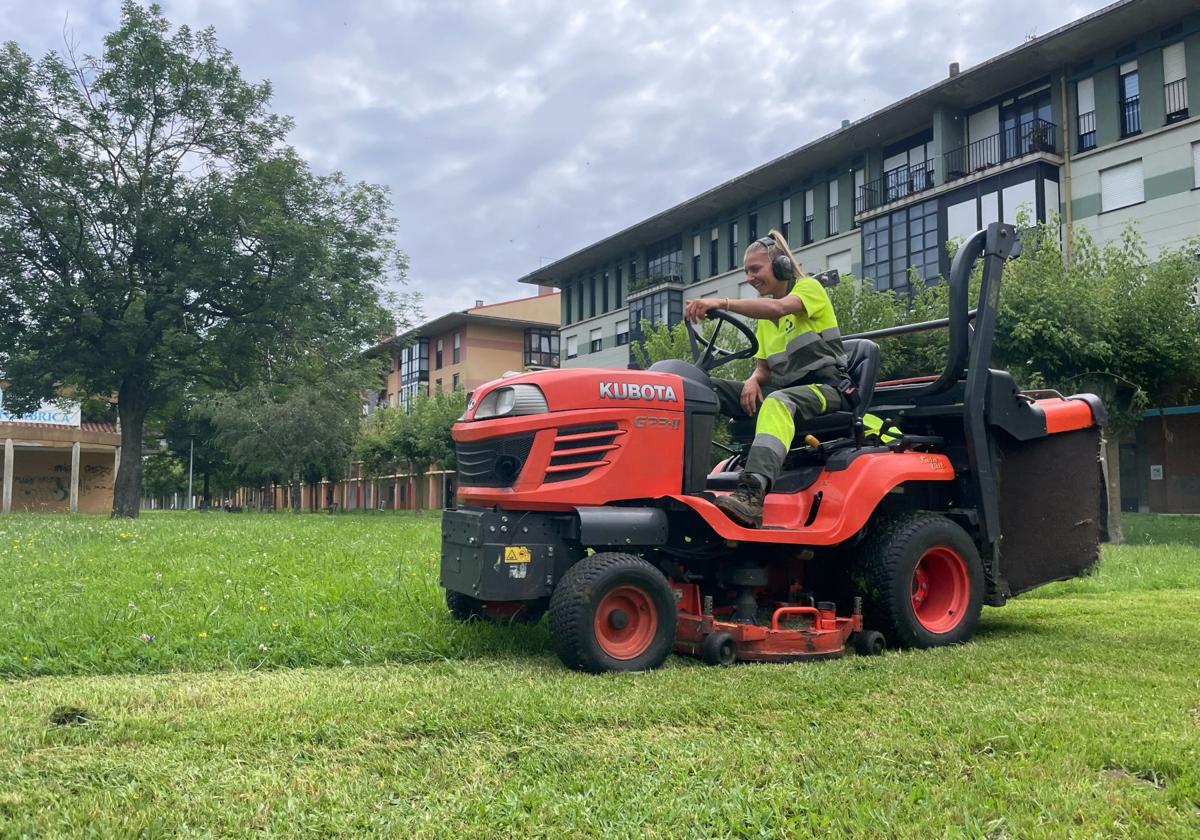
<point>781,266</point>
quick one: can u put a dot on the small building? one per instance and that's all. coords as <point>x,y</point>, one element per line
<point>1160,465</point>
<point>54,462</point>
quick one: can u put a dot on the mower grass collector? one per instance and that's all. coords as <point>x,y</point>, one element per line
<point>587,493</point>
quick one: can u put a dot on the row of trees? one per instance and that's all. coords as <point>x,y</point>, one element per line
<point>161,242</point>
<point>1109,321</point>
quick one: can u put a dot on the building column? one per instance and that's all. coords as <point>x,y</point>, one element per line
<point>8,475</point>
<point>75,477</point>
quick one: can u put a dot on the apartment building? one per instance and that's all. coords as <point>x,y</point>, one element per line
<point>1091,121</point>
<point>468,348</point>
<point>1097,122</point>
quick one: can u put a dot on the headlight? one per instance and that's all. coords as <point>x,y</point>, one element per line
<point>512,401</point>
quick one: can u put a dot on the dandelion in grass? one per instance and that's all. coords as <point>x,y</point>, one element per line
<point>275,624</point>
<point>262,607</point>
<point>203,634</point>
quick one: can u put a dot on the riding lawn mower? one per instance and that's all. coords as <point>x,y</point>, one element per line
<point>588,493</point>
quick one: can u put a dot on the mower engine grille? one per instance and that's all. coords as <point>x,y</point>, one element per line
<point>495,462</point>
<point>580,449</point>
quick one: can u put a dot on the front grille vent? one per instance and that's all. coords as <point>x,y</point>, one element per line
<point>580,449</point>
<point>495,462</point>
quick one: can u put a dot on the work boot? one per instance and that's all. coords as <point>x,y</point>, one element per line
<point>745,504</point>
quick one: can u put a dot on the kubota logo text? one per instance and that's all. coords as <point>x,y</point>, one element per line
<point>634,391</point>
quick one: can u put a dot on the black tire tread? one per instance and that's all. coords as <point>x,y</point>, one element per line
<point>571,609</point>
<point>884,550</point>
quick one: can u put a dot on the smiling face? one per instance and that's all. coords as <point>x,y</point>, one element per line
<point>759,274</point>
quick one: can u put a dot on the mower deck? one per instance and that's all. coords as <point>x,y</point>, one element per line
<point>795,632</point>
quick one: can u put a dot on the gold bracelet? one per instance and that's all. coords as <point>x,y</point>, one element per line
<point>726,306</point>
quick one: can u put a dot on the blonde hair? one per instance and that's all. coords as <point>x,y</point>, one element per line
<point>778,247</point>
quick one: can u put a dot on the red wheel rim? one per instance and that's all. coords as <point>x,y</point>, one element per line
<point>625,622</point>
<point>941,589</point>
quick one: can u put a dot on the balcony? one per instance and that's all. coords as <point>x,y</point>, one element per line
<point>1010,144</point>
<point>1131,116</point>
<point>1087,131</point>
<point>1176,97</point>
<point>671,274</point>
<point>894,185</point>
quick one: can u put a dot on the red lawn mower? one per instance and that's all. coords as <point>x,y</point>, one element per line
<point>588,493</point>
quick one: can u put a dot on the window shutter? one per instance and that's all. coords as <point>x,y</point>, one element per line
<point>1121,186</point>
<point>1174,64</point>
<point>1196,164</point>
<point>833,193</point>
<point>808,203</point>
<point>1085,92</point>
<point>787,211</point>
<point>1128,67</point>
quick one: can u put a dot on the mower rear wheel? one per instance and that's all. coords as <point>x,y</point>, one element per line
<point>924,581</point>
<point>613,612</point>
<point>466,608</point>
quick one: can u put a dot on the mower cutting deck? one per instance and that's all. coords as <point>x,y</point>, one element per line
<point>587,493</point>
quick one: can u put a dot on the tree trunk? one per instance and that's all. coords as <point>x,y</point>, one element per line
<point>131,408</point>
<point>1112,472</point>
<point>207,503</point>
<point>329,496</point>
<point>296,492</point>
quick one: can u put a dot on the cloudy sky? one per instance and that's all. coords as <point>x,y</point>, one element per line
<point>513,132</point>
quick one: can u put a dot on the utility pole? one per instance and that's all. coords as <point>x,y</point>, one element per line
<point>191,453</point>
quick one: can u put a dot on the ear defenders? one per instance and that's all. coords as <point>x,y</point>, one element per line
<point>781,266</point>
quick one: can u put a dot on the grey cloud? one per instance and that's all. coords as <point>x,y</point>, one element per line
<point>515,132</point>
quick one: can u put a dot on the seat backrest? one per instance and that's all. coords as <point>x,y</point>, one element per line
<point>862,364</point>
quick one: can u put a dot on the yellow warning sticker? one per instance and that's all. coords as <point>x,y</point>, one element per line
<point>516,554</point>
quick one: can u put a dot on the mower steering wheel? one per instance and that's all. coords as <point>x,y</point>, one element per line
<point>705,352</point>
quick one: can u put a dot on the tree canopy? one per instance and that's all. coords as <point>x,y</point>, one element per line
<point>157,232</point>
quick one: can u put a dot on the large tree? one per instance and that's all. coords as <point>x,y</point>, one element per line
<point>156,231</point>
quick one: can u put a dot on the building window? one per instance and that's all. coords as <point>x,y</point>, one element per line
<point>596,341</point>
<point>1130,102</point>
<point>572,346</point>
<point>579,300</point>
<point>752,229</point>
<point>1122,186</point>
<point>541,348</point>
<point>620,288</point>
<point>604,290</point>
<point>787,220</point>
<point>632,271</point>
<point>1025,125</point>
<point>663,307</point>
<point>713,245</point>
<point>808,216</point>
<point>835,225</point>
<point>622,332</point>
<point>455,382</point>
<point>457,348</point>
<point>696,258</point>
<point>1175,82</point>
<point>438,360</point>
<point>566,303</point>
<point>1085,103</point>
<point>664,259</point>
<point>414,370</point>
<point>734,260</point>
<point>438,383</point>
<point>907,238</point>
<point>591,297</point>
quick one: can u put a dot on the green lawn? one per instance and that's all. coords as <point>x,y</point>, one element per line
<point>298,675</point>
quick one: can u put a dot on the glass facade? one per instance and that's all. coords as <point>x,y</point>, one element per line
<point>414,371</point>
<point>899,240</point>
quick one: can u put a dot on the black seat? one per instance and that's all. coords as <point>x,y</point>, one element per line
<point>862,366</point>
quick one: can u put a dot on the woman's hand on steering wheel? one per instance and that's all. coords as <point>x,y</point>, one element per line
<point>696,309</point>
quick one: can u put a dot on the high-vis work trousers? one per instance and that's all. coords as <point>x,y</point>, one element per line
<point>782,409</point>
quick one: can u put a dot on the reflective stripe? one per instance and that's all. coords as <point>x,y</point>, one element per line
<point>816,389</point>
<point>770,442</point>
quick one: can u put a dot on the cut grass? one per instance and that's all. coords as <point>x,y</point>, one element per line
<point>1073,713</point>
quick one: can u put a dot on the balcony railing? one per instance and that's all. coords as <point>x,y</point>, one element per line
<point>894,185</point>
<point>1176,97</point>
<point>1087,131</point>
<point>1131,116</point>
<point>668,275</point>
<point>1010,144</point>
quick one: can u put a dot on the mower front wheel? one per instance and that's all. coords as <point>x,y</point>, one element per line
<point>613,612</point>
